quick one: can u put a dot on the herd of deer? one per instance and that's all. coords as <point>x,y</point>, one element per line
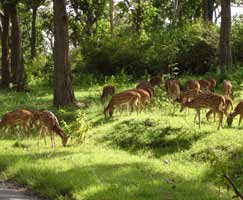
<point>195,94</point>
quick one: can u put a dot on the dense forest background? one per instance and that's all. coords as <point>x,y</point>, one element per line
<point>108,37</point>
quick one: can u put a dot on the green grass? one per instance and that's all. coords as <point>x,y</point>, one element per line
<point>158,154</point>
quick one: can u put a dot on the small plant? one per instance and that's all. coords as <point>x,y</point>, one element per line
<point>78,129</point>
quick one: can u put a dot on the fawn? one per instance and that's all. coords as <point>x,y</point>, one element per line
<point>237,111</point>
<point>212,84</point>
<point>144,84</point>
<point>189,95</point>
<point>130,99</point>
<point>145,97</point>
<point>108,90</point>
<point>192,84</point>
<point>20,117</point>
<point>155,81</point>
<point>204,85</point>
<point>46,121</point>
<point>228,105</point>
<point>207,100</point>
<point>172,88</point>
<point>227,89</point>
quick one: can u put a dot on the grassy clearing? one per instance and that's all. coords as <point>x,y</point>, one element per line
<point>158,154</point>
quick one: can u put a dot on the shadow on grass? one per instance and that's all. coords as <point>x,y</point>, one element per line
<point>124,181</point>
<point>134,135</point>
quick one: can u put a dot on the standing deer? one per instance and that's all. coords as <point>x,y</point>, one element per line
<point>145,97</point>
<point>227,89</point>
<point>46,121</point>
<point>228,106</point>
<point>107,91</point>
<point>212,84</point>
<point>172,88</point>
<point>130,99</point>
<point>208,100</point>
<point>204,85</point>
<point>237,111</point>
<point>192,84</point>
<point>144,84</point>
<point>155,81</point>
<point>22,117</point>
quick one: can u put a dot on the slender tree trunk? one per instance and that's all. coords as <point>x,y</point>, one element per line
<point>111,17</point>
<point>207,10</point>
<point>63,92</point>
<point>33,32</point>
<point>5,48</point>
<point>17,65</point>
<point>225,35</point>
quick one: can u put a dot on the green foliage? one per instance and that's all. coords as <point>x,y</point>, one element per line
<point>237,37</point>
<point>78,128</point>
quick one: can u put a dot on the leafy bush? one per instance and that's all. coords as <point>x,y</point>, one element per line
<point>193,47</point>
<point>78,128</point>
<point>237,38</point>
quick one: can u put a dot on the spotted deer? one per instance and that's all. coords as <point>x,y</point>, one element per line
<point>227,89</point>
<point>47,122</point>
<point>237,111</point>
<point>212,84</point>
<point>108,90</point>
<point>205,101</point>
<point>189,95</point>
<point>172,88</point>
<point>228,106</point>
<point>155,81</point>
<point>21,117</point>
<point>192,84</point>
<point>145,97</point>
<point>144,84</point>
<point>204,85</point>
<point>130,99</point>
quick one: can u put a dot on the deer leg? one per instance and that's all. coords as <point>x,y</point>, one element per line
<point>44,134</point>
<point>241,116</point>
<point>208,114</point>
<point>39,136</point>
<point>199,118</point>
<point>52,139</point>
<point>221,115</point>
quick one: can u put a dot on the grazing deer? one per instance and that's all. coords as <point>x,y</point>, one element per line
<point>189,95</point>
<point>192,84</point>
<point>150,90</point>
<point>172,88</point>
<point>204,85</point>
<point>130,99</point>
<point>228,105</point>
<point>155,81</point>
<point>208,100</point>
<point>145,97</point>
<point>46,121</point>
<point>227,89</point>
<point>20,117</point>
<point>108,90</point>
<point>237,111</point>
<point>144,84</point>
<point>212,84</point>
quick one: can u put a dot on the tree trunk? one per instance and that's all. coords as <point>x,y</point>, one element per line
<point>63,92</point>
<point>111,16</point>
<point>5,48</point>
<point>225,35</point>
<point>17,65</point>
<point>33,32</point>
<point>207,10</point>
